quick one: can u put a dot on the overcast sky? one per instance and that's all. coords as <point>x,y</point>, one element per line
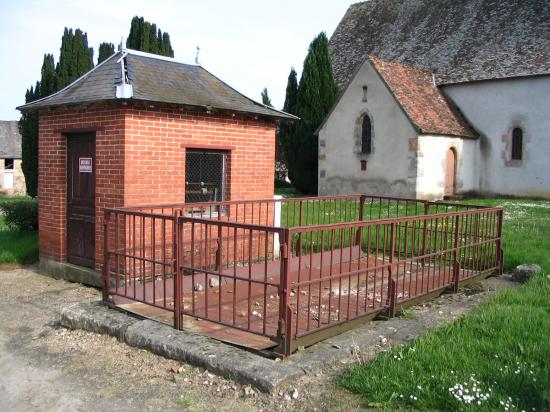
<point>250,44</point>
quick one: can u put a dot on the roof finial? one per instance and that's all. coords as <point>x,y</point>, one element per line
<point>197,56</point>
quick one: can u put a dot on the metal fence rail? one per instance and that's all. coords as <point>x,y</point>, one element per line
<point>297,270</point>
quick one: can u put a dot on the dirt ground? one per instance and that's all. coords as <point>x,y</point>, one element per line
<point>46,367</point>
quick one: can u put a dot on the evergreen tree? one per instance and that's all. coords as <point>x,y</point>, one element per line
<point>106,50</point>
<point>28,127</point>
<point>146,37</point>
<point>285,141</point>
<point>316,94</point>
<point>48,80</point>
<point>166,45</point>
<point>75,57</point>
<point>265,98</point>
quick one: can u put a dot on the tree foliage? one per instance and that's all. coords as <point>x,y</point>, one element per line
<point>75,57</point>
<point>145,36</point>
<point>105,51</point>
<point>310,100</point>
<point>265,98</point>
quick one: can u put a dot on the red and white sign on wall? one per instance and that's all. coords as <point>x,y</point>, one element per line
<point>85,164</point>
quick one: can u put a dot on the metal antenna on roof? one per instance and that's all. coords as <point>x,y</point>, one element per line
<point>197,56</point>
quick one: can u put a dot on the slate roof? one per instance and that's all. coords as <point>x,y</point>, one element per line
<point>461,40</point>
<point>155,79</point>
<point>10,140</point>
<point>423,102</point>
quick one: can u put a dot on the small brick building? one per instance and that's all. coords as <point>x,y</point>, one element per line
<point>139,129</point>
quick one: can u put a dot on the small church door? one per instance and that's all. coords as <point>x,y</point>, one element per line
<point>450,173</point>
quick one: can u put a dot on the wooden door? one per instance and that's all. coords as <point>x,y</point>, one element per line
<point>450,172</point>
<point>81,199</point>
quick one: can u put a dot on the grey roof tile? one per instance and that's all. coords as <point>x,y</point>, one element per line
<point>156,79</point>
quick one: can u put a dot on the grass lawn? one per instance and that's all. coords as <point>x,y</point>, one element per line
<point>495,358</point>
<point>16,246</point>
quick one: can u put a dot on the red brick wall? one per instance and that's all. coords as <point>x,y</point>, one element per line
<point>140,158</point>
<point>52,181</point>
<point>155,153</point>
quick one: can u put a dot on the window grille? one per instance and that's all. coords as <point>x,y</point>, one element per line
<point>205,175</point>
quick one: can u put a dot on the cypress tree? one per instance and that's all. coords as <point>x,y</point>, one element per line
<point>105,51</point>
<point>134,36</point>
<point>265,98</point>
<point>166,45</point>
<point>48,81</point>
<point>145,36</point>
<point>285,141</point>
<point>316,94</point>
<point>75,57</point>
<point>28,127</point>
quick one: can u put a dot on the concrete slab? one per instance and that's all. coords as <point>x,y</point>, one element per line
<point>267,374</point>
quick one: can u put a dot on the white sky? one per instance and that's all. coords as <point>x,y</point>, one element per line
<point>250,44</point>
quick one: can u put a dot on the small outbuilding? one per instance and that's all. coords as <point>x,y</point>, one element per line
<point>12,179</point>
<point>141,128</point>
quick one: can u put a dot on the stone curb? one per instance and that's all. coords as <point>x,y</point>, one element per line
<point>266,374</point>
<point>218,357</point>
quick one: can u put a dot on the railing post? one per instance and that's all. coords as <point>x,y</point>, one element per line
<point>425,231</point>
<point>177,234</point>
<point>285,311</point>
<point>392,284</point>
<point>456,276</point>
<point>106,272</point>
<point>361,217</point>
<point>499,251</point>
<point>456,263</point>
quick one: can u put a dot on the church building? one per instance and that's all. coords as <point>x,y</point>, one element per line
<point>439,99</point>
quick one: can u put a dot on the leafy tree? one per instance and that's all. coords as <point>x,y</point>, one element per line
<point>106,50</point>
<point>265,98</point>
<point>146,37</point>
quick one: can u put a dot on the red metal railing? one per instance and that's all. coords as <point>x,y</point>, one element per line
<point>293,271</point>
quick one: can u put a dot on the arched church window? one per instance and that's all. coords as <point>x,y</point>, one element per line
<point>517,143</point>
<point>366,135</point>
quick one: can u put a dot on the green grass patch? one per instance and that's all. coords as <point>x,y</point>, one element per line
<point>526,230</point>
<point>495,358</point>
<point>16,246</point>
<point>498,354</point>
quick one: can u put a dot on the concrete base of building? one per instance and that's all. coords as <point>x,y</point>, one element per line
<point>70,272</point>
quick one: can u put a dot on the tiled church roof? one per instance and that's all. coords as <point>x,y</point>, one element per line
<point>459,40</point>
<point>427,107</point>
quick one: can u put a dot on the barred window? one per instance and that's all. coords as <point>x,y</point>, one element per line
<point>205,175</point>
<point>517,143</point>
